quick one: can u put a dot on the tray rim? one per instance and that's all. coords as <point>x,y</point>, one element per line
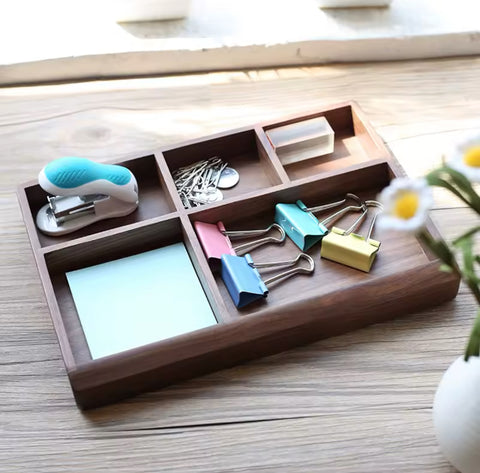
<point>92,374</point>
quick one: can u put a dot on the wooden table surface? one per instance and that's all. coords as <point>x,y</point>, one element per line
<point>356,403</point>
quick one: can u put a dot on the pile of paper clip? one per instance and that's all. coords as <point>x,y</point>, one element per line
<point>200,183</point>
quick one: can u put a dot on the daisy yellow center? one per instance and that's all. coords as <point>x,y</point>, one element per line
<point>406,205</point>
<point>472,157</point>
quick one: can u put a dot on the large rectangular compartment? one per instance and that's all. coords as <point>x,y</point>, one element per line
<point>335,299</point>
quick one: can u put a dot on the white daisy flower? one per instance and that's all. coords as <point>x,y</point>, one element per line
<point>406,203</point>
<point>465,158</point>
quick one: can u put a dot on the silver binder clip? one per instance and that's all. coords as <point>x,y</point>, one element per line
<point>84,192</point>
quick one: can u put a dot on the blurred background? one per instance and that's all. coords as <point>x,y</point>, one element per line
<point>55,40</point>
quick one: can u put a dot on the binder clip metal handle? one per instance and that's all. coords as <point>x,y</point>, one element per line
<point>302,226</point>
<point>215,240</point>
<point>84,192</point>
<point>351,208</point>
<point>288,263</point>
<point>246,247</point>
<point>373,203</point>
<point>244,283</point>
<point>332,205</point>
<point>349,248</point>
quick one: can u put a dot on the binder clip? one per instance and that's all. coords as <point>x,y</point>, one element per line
<point>244,283</point>
<point>302,226</point>
<point>216,241</point>
<point>351,249</point>
<point>84,192</point>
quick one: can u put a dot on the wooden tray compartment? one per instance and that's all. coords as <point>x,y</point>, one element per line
<point>154,201</point>
<point>355,142</point>
<point>258,212</point>
<point>335,299</point>
<point>244,151</point>
<point>141,238</point>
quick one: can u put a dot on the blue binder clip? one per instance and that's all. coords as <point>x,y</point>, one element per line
<point>302,226</point>
<point>244,283</point>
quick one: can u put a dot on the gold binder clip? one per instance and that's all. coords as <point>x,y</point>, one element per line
<point>351,249</point>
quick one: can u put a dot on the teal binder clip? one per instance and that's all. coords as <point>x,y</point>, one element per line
<point>245,284</point>
<point>302,227</point>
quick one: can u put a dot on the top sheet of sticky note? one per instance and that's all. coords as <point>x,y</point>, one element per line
<point>140,299</point>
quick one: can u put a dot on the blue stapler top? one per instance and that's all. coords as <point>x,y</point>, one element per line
<point>299,224</point>
<point>242,279</point>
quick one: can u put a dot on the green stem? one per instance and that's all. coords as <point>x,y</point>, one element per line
<point>441,250</point>
<point>464,185</point>
<point>473,345</point>
<point>474,288</point>
<point>434,180</point>
<point>466,235</point>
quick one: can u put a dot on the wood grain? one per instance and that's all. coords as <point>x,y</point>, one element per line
<point>356,403</point>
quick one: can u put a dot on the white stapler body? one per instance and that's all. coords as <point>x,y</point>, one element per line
<point>84,192</point>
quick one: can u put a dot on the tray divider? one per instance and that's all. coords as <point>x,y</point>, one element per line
<point>167,182</point>
<point>90,240</point>
<point>354,167</point>
<point>204,273</point>
<point>54,309</point>
<point>27,217</point>
<point>364,131</point>
<point>272,162</point>
<point>112,244</point>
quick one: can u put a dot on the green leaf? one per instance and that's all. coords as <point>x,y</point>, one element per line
<point>466,246</point>
<point>464,184</point>
<point>446,268</point>
<point>473,345</point>
<point>468,270</point>
<point>459,178</point>
<point>433,179</point>
<point>468,234</point>
<point>438,247</point>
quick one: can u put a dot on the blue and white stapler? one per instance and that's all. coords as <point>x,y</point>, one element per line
<point>84,192</point>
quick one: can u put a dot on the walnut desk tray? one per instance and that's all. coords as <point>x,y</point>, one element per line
<point>333,299</point>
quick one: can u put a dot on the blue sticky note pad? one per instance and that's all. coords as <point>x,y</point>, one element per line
<point>138,300</point>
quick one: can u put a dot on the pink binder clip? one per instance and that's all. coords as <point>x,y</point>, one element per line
<point>215,240</point>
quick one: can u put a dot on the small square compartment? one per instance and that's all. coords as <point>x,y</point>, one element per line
<point>153,202</point>
<point>141,239</point>
<point>242,150</point>
<point>355,143</point>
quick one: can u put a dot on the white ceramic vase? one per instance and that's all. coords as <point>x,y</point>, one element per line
<point>456,415</point>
